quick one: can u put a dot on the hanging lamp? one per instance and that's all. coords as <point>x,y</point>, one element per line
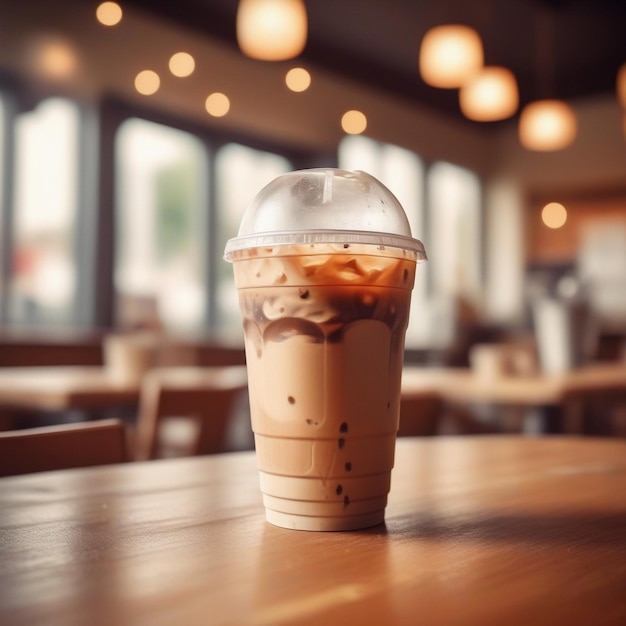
<point>546,125</point>
<point>271,30</point>
<point>489,95</point>
<point>450,55</point>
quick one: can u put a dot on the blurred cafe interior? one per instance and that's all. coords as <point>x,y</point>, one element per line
<point>134,134</point>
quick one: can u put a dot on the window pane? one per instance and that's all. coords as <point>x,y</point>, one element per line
<point>402,172</point>
<point>454,236</point>
<point>398,169</point>
<point>2,207</point>
<point>42,287</point>
<point>161,263</point>
<point>241,173</point>
<point>357,152</point>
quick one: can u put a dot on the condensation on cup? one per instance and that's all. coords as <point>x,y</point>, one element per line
<point>324,265</point>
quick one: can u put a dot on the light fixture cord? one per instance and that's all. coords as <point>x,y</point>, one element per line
<point>544,41</point>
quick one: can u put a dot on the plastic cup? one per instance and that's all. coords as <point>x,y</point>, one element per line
<point>324,266</point>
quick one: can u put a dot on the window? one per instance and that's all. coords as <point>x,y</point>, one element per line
<point>454,235</point>
<point>241,173</point>
<point>402,172</point>
<point>3,240</point>
<point>177,198</point>
<point>43,277</point>
<point>398,169</point>
<point>449,224</point>
<point>161,257</point>
<point>175,208</point>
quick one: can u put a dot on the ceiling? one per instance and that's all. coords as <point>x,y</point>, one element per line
<point>556,48</point>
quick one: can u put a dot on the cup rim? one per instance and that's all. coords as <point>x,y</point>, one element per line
<point>290,237</point>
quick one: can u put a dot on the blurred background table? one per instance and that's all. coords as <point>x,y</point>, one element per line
<point>58,388</point>
<point>479,530</point>
<point>565,395</point>
<point>64,388</point>
<point>194,398</point>
<point>425,390</point>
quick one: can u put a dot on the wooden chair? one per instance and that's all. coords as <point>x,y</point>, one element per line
<point>207,396</point>
<point>64,446</point>
<point>419,416</point>
<point>22,351</point>
<point>594,411</point>
<point>427,414</point>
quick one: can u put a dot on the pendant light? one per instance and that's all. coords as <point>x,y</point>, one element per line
<point>450,55</point>
<point>546,124</point>
<point>489,95</point>
<point>271,30</point>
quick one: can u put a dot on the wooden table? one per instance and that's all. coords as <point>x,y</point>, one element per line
<point>517,394</point>
<point>479,530</point>
<point>63,388</point>
<point>460,384</point>
<point>93,388</point>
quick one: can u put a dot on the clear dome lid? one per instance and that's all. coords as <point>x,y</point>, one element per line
<point>325,205</point>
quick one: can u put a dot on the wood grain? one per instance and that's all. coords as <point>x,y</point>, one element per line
<point>479,530</point>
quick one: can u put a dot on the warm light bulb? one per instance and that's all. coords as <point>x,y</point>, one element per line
<point>182,64</point>
<point>147,82</point>
<point>298,79</point>
<point>271,30</point>
<point>353,122</point>
<point>109,13</point>
<point>217,104</point>
<point>56,59</point>
<point>554,215</point>
<point>547,125</point>
<point>450,55</point>
<point>489,95</point>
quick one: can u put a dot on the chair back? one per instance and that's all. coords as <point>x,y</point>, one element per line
<point>63,446</point>
<point>29,352</point>
<point>206,394</point>
<point>599,411</point>
<point>419,416</point>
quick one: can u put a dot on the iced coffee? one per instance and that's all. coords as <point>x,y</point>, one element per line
<point>324,319</point>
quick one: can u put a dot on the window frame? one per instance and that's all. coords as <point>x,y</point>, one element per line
<point>7,183</point>
<point>112,114</point>
<point>434,305</point>
<point>433,288</point>
<point>94,237</point>
<point>20,96</point>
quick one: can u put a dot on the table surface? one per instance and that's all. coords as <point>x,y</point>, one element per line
<point>461,385</point>
<point>60,388</point>
<point>479,530</point>
<point>53,388</point>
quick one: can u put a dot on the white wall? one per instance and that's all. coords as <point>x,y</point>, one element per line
<point>594,163</point>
